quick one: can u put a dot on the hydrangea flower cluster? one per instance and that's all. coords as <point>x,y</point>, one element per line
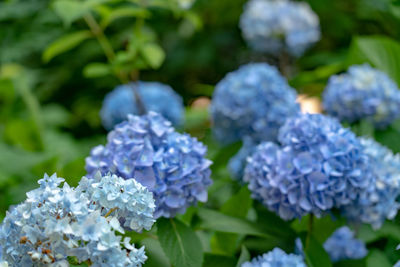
<point>276,257</point>
<point>253,101</point>
<point>318,165</point>
<point>379,201</point>
<point>273,26</point>
<point>155,96</point>
<point>363,93</point>
<point>127,200</point>
<point>342,245</point>
<point>168,163</point>
<point>59,222</point>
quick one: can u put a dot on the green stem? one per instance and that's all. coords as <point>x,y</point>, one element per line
<point>109,212</point>
<point>104,43</point>
<point>33,106</point>
<point>284,64</point>
<point>310,228</point>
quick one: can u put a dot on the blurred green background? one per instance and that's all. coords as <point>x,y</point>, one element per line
<point>54,73</point>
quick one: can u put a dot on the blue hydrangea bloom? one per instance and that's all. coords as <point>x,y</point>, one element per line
<point>56,222</point>
<point>155,96</point>
<point>363,93</point>
<point>238,162</point>
<point>126,200</point>
<point>252,101</point>
<point>168,163</point>
<point>379,202</point>
<point>276,258</point>
<point>317,166</point>
<point>273,26</point>
<point>342,245</point>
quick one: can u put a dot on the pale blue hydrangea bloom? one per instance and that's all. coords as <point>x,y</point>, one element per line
<point>170,164</point>
<point>238,162</point>
<point>132,203</point>
<point>155,96</point>
<point>379,202</point>
<point>363,93</point>
<point>253,101</point>
<point>342,245</point>
<point>276,258</point>
<point>317,166</point>
<point>273,26</point>
<point>55,222</point>
<point>186,4</point>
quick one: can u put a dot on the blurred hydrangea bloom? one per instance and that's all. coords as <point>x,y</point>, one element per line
<point>56,222</point>
<point>238,162</point>
<point>168,163</point>
<point>342,245</point>
<point>275,258</point>
<point>362,93</point>
<point>186,4</point>
<point>155,96</point>
<point>379,201</point>
<point>253,101</point>
<point>319,165</point>
<point>273,26</point>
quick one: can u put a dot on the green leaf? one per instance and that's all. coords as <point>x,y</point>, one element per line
<point>244,256</point>
<point>65,43</point>
<point>94,70</point>
<point>155,255</point>
<point>153,54</point>
<point>239,204</point>
<point>215,260</point>
<point>124,12</point>
<point>180,243</point>
<point>315,254</point>
<point>389,138</point>
<point>216,221</point>
<point>388,230</point>
<point>377,258</point>
<point>70,10</point>
<point>381,52</point>
<point>350,263</point>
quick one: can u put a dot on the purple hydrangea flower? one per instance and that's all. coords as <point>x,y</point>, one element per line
<point>363,93</point>
<point>317,166</point>
<point>155,96</point>
<point>168,163</point>
<point>57,222</point>
<point>342,245</point>
<point>379,202</point>
<point>275,258</point>
<point>273,26</point>
<point>253,101</point>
